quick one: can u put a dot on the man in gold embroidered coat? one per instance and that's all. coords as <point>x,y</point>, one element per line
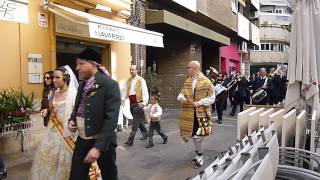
<point>196,98</point>
<point>137,92</point>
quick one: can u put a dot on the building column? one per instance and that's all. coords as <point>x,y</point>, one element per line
<point>137,18</point>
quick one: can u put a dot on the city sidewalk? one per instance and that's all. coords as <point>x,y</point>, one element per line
<point>163,161</point>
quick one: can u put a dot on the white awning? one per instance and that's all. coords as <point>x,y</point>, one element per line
<point>106,29</point>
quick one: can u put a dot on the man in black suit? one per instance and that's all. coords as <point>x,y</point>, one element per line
<point>283,87</point>
<point>262,82</point>
<point>240,93</point>
<point>276,90</point>
<point>221,96</point>
<point>95,116</point>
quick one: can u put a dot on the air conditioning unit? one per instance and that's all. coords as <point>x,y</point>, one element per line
<point>255,15</point>
<point>243,47</point>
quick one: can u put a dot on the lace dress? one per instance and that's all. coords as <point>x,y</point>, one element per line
<point>52,160</point>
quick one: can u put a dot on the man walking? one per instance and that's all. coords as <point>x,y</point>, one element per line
<point>196,98</point>
<point>137,92</point>
<point>95,116</point>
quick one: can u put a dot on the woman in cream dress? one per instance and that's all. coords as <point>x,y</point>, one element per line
<point>52,160</point>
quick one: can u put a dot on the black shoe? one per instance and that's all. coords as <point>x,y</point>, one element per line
<point>144,138</point>
<point>220,121</point>
<point>231,114</point>
<point>165,140</point>
<point>150,145</point>
<point>128,143</point>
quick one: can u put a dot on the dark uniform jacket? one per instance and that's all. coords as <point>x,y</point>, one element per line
<point>243,86</point>
<point>257,85</point>
<point>276,83</point>
<point>101,111</point>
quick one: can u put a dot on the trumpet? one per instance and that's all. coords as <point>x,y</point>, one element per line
<point>233,83</point>
<point>275,72</point>
<point>213,70</point>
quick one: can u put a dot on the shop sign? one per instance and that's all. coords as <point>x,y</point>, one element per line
<point>14,10</point>
<point>66,26</point>
<point>115,33</point>
<point>35,63</point>
<point>43,19</point>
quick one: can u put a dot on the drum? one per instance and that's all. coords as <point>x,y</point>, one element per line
<point>259,96</point>
<point>219,88</point>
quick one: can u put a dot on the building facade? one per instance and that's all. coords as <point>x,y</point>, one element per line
<point>235,57</point>
<point>54,32</point>
<point>193,30</point>
<point>40,35</point>
<point>275,20</point>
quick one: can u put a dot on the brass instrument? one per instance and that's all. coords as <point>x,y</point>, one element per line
<point>213,72</point>
<point>274,73</point>
<point>233,83</point>
<point>260,94</point>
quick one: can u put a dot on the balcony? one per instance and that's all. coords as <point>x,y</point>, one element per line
<point>268,57</point>
<point>275,18</point>
<point>275,34</point>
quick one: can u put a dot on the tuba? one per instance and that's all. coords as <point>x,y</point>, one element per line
<point>212,73</point>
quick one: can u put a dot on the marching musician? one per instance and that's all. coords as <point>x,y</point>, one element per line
<point>231,89</point>
<point>240,94</point>
<point>248,78</point>
<point>221,95</point>
<point>276,90</point>
<point>262,82</point>
<point>283,86</point>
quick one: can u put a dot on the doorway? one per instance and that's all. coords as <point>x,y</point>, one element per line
<point>68,50</point>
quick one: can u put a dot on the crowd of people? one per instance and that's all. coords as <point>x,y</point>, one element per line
<point>82,116</point>
<point>261,88</point>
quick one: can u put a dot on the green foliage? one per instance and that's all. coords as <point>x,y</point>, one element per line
<point>152,79</point>
<point>15,106</point>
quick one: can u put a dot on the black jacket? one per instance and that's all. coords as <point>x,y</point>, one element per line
<point>101,111</point>
<point>277,85</point>
<point>243,86</point>
<point>259,82</point>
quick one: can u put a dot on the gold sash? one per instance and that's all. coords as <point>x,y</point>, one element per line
<point>204,88</point>
<point>94,171</point>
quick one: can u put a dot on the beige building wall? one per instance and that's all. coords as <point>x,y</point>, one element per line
<point>120,62</point>
<point>219,11</point>
<point>10,55</point>
<point>274,34</point>
<point>268,57</point>
<point>17,40</point>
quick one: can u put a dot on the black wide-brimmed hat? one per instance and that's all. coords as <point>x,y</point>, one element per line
<point>90,55</point>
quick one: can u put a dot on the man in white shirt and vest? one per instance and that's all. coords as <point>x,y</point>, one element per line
<point>137,92</point>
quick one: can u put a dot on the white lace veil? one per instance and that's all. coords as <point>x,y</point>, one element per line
<point>70,100</point>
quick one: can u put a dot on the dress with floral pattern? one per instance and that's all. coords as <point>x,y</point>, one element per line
<point>52,160</point>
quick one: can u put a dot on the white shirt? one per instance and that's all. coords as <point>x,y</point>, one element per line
<point>144,88</point>
<point>155,111</point>
<point>207,101</point>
